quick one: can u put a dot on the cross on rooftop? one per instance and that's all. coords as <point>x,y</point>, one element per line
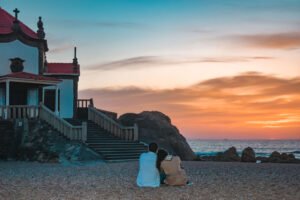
<point>16,11</point>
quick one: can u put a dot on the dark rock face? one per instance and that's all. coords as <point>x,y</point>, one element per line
<point>156,127</point>
<point>248,155</point>
<point>7,140</point>
<point>44,144</point>
<point>37,147</point>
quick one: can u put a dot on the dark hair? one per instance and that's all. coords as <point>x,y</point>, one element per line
<point>153,147</point>
<point>161,155</point>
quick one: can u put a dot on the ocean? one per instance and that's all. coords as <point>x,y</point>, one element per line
<point>261,147</point>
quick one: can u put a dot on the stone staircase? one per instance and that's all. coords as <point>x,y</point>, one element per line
<point>111,147</point>
<point>6,139</point>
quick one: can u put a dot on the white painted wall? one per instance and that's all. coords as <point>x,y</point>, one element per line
<point>66,98</point>
<point>23,51</point>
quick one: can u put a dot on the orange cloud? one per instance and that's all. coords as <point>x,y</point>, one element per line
<point>250,105</point>
<point>272,41</point>
<point>158,61</point>
<point>61,48</point>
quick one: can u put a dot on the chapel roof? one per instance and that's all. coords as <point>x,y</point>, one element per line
<point>28,76</point>
<point>62,68</point>
<point>6,24</point>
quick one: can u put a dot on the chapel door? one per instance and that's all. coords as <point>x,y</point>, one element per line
<point>18,94</point>
<point>49,99</point>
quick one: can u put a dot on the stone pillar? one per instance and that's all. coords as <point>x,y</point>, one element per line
<point>56,101</point>
<point>7,93</point>
<point>7,110</point>
<point>43,96</point>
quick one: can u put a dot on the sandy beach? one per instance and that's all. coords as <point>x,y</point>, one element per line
<point>211,180</point>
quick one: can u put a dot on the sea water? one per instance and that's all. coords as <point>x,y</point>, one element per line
<point>261,147</point>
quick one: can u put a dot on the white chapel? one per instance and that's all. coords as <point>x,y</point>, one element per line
<point>33,89</point>
<point>26,78</point>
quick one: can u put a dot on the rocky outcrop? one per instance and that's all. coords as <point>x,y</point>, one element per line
<point>228,155</point>
<point>248,155</point>
<point>276,157</point>
<point>156,127</point>
<point>7,140</point>
<point>44,144</point>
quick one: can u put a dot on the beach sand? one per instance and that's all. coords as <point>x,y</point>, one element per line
<point>211,180</point>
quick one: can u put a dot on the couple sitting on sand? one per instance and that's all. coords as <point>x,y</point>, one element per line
<point>157,167</point>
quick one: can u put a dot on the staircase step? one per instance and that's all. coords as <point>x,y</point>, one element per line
<point>113,144</point>
<point>122,160</point>
<point>101,136</point>
<point>120,150</point>
<point>109,142</point>
<point>120,157</point>
<point>118,154</point>
<point>111,147</point>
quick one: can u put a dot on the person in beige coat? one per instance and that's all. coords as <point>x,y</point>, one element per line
<point>171,167</point>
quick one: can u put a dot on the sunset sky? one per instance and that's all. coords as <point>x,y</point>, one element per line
<point>218,68</point>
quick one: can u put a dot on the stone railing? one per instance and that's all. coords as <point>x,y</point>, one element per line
<point>126,133</point>
<point>85,103</point>
<point>61,125</point>
<point>19,112</point>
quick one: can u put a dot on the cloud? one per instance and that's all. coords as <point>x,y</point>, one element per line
<point>244,102</point>
<point>158,61</point>
<point>289,40</point>
<point>61,48</point>
<point>98,24</point>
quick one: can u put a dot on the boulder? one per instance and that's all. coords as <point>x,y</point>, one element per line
<point>45,144</point>
<point>248,155</point>
<point>228,155</point>
<point>276,157</point>
<point>284,157</point>
<point>156,127</point>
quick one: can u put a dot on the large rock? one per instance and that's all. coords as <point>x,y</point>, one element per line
<point>44,144</point>
<point>248,155</point>
<point>228,155</point>
<point>276,157</point>
<point>156,127</point>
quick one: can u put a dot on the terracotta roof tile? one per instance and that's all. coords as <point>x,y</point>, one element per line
<point>61,68</point>
<point>29,76</point>
<point>6,22</point>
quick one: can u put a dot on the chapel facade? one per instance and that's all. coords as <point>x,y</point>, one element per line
<point>33,89</point>
<point>26,77</point>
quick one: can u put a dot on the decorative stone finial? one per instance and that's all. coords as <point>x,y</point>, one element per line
<point>45,65</point>
<point>75,61</point>
<point>40,32</point>
<point>15,27</point>
<point>16,11</point>
<point>16,64</point>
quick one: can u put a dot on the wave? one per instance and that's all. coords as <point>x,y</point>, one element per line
<point>297,152</point>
